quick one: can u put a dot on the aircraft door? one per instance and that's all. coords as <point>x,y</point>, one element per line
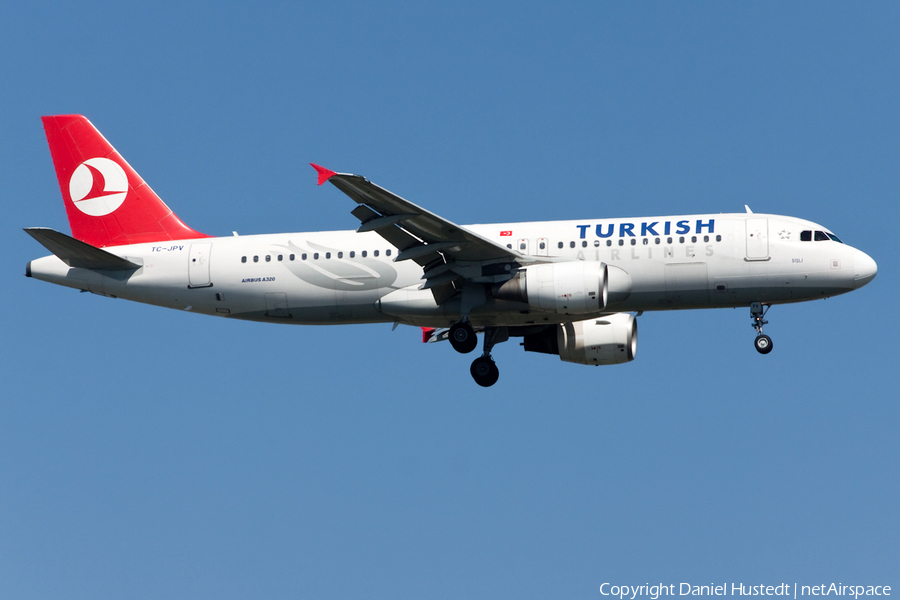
<point>543,247</point>
<point>277,305</point>
<point>522,246</point>
<point>757,239</point>
<point>198,268</point>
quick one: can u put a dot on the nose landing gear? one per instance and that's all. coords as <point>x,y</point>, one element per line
<point>762,343</point>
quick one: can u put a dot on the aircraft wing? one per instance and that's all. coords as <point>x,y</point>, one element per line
<point>447,251</point>
<point>386,213</point>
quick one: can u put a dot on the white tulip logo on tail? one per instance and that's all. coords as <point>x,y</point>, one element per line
<point>98,186</point>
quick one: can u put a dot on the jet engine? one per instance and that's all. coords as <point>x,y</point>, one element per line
<point>609,340</point>
<point>567,288</point>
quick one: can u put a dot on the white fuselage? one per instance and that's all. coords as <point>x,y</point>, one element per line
<point>659,263</point>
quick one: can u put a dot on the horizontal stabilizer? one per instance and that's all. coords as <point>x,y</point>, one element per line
<point>78,254</point>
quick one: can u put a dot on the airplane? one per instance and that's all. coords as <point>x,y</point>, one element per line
<point>567,288</point>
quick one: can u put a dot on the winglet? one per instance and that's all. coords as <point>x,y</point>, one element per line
<point>427,332</point>
<point>324,174</point>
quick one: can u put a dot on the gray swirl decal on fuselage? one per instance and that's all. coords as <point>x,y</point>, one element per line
<point>358,274</point>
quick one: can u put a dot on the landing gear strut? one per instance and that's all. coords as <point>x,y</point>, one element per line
<point>762,343</point>
<point>484,370</point>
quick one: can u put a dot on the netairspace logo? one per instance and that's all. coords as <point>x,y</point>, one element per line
<point>654,592</point>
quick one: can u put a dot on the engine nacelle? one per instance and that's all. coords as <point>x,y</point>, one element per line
<point>609,340</point>
<point>568,288</point>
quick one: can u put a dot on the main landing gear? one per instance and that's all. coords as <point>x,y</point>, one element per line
<point>763,343</point>
<point>484,371</point>
<point>463,339</point>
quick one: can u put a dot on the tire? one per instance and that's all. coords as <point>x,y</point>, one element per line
<point>463,338</point>
<point>484,371</point>
<point>763,344</point>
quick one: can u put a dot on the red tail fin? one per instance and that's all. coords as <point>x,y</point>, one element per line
<point>107,202</point>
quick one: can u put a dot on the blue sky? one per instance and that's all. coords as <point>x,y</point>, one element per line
<point>147,453</point>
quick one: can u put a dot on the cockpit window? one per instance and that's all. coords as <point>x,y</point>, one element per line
<point>834,238</point>
<point>821,236</point>
<point>806,236</point>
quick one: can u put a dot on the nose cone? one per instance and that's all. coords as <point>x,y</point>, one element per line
<point>864,270</point>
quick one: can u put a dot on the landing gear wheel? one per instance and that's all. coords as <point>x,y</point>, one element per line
<point>463,338</point>
<point>763,344</point>
<point>485,371</point>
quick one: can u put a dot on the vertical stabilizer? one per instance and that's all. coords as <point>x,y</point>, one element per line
<point>107,202</point>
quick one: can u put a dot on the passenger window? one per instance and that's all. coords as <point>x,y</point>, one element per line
<point>621,242</point>
<point>646,241</point>
<point>280,257</point>
<point>375,253</point>
<point>658,241</point>
<point>316,256</point>
<point>303,256</point>
<point>293,256</point>
<point>364,253</point>
<point>609,242</point>
<point>387,252</point>
<point>694,239</point>
<point>510,246</point>
<point>352,254</point>
<point>633,242</point>
<point>821,237</point>
<point>243,259</point>
<point>268,258</point>
<point>806,236</point>
<point>584,244</point>
<point>543,245</point>
<point>681,240</point>
<point>255,259</point>
<point>571,244</point>
<point>596,243</point>
<point>668,240</point>
<point>705,238</point>
<point>521,246</point>
<point>560,245</point>
<point>328,255</point>
<point>718,238</point>
<point>340,255</point>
